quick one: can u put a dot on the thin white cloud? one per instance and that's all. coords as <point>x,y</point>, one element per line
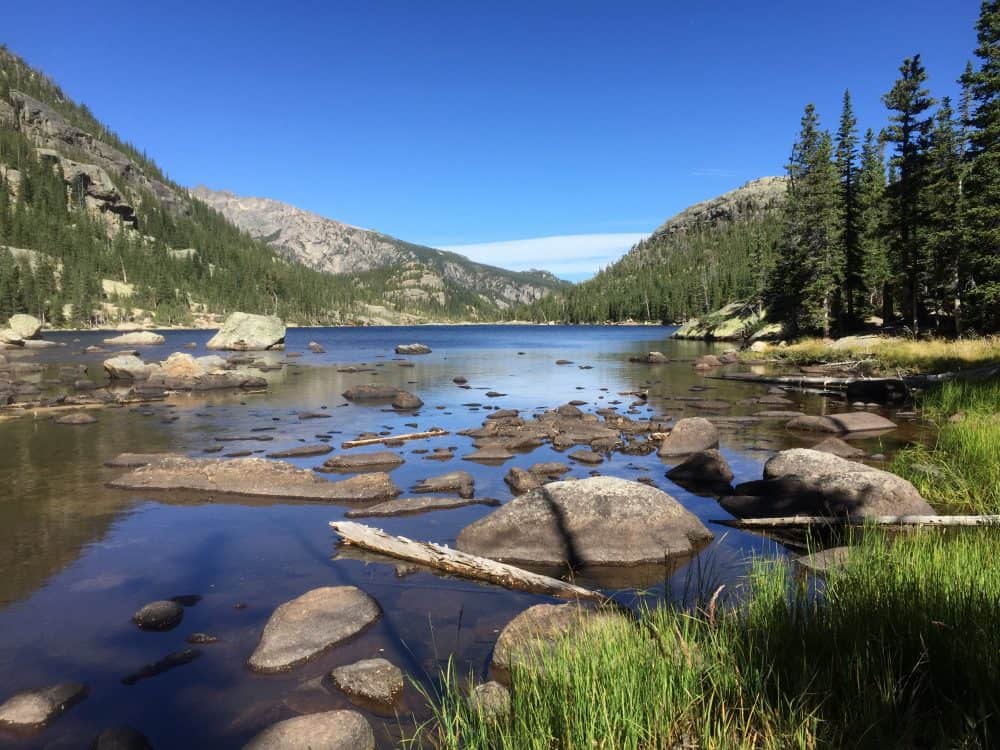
<point>569,256</point>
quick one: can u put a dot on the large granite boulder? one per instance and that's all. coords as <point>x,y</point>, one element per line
<point>25,326</point>
<point>816,483</point>
<point>304,627</point>
<point>708,466</point>
<point>595,521</point>
<point>136,338</point>
<point>689,435</point>
<point>377,680</point>
<point>413,349</point>
<point>246,332</point>
<point>329,730</point>
<point>36,708</point>
<point>129,367</point>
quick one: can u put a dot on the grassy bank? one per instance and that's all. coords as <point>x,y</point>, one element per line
<point>901,650</point>
<point>960,472</point>
<point>880,355</point>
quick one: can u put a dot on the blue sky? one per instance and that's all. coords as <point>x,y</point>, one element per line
<point>473,124</point>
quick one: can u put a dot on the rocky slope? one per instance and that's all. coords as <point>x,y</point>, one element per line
<point>338,248</point>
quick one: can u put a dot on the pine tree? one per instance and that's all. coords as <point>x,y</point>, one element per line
<point>981,187</point>
<point>810,267</point>
<point>849,238</point>
<point>872,225</point>
<point>909,131</point>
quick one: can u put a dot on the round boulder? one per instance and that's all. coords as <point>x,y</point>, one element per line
<point>705,466</point>
<point>25,326</point>
<point>160,615</point>
<point>246,332</point>
<point>330,730</point>
<point>594,521</point>
<point>537,629</point>
<point>377,680</point>
<point>689,435</point>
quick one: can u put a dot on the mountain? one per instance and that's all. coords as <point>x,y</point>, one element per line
<point>338,248</point>
<point>92,231</point>
<point>705,256</point>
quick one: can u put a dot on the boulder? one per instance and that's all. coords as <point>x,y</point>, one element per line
<point>245,332</point>
<point>522,481</point>
<point>181,365</point>
<point>301,451</point>
<point>838,447</point>
<point>651,358</point>
<point>595,521</point>
<point>371,392</point>
<point>8,336</point>
<point>36,708</point>
<point>708,467</point>
<point>405,401</point>
<point>378,461</point>
<point>304,627</point>
<point>549,469</point>
<point>329,730</point>
<point>840,424</point>
<point>490,454</point>
<point>121,738</point>
<point>490,700</point>
<point>810,482</point>
<point>376,680</point>
<point>315,347</point>
<point>413,349</point>
<point>589,457</point>
<point>254,477</point>
<point>136,338</point>
<point>159,615</point>
<point>707,362</point>
<point>25,326</point>
<point>412,505</point>
<point>461,482</point>
<point>689,435</point>
<point>537,629</point>
<point>129,367</point>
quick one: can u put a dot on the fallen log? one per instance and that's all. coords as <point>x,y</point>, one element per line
<point>788,522</point>
<point>461,563</point>
<point>393,438</point>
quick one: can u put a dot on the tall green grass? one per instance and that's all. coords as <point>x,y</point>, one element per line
<point>900,649</point>
<point>960,472</point>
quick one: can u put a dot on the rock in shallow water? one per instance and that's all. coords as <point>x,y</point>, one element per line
<point>538,628</point>
<point>304,627</point>
<point>160,615</point>
<point>595,521</point>
<point>245,332</point>
<point>36,708</point>
<point>689,436</point>
<point>330,730</point>
<point>377,680</point>
<point>705,466</point>
<point>121,738</point>
<point>413,505</point>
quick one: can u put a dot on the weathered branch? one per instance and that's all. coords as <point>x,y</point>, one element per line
<point>461,563</point>
<point>393,438</point>
<point>786,522</point>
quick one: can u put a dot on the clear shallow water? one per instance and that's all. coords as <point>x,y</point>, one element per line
<point>77,559</point>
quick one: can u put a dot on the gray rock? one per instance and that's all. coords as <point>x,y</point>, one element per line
<point>330,730</point>
<point>254,477</point>
<point>377,680</point>
<point>405,401</point>
<point>377,461</point>
<point>651,358</point>
<point>549,469</point>
<point>77,418</point>
<point>304,627</point>
<point>316,449</point>
<point>245,332</point>
<point>861,421</point>
<point>129,367</point>
<point>811,423</point>
<point>812,482</point>
<point>159,615</point>
<point>536,630</point>
<point>412,505</point>
<point>491,454</point>
<point>689,436</point>
<point>121,738</point>
<point>135,460</point>
<point>413,349</point>
<point>838,447</point>
<point>36,708</point>
<point>24,326</point>
<point>168,662</point>
<point>136,338</point>
<point>595,521</point>
<point>490,700</point>
<point>705,466</point>
<point>587,457</point>
<point>522,481</point>
<point>371,392</point>
<point>8,336</point>
<point>825,560</point>
<point>461,482</point>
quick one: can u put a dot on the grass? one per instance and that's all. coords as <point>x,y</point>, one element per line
<point>960,472</point>
<point>900,649</point>
<point>892,354</point>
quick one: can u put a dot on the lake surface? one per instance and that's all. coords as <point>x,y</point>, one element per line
<point>78,559</point>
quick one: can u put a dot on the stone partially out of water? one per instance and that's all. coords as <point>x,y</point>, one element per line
<point>461,482</point>
<point>705,466</point>
<point>129,367</point>
<point>521,480</point>
<point>121,738</point>
<point>77,418</point>
<point>136,338</point>
<point>839,424</point>
<point>377,461</point>
<point>371,392</point>
<point>254,477</point>
<point>246,332</point>
<point>159,615</point>
<point>490,700</point>
<point>810,482</point>
<point>170,661</point>
<point>25,326</point>
<point>594,521</point>
<point>134,460</point>
<point>330,730</point>
<point>307,626</point>
<point>412,505</point>
<point>377,680</point>
<point>316,449</point>
<point>689,436</point>
<point>838,447</point>
<point>36,708</point>
<point>404,401</point>
<point>536,630</point>
<point>413,349</point>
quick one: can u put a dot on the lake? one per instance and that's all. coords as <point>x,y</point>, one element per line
<point>78,559</point>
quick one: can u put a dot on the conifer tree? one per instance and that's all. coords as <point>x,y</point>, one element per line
<point>872,225</point>
<point>981,187</point>
<point>849,238</point>
<point>909,132</point>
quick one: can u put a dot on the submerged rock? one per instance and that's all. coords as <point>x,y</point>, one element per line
<point>595,521</point>
<point>330,730</point>
<point>689,435</point>
<point>245,332</point>
<point>304,627</point>
<point>461,482</point>
<point>705,466</point>
<point>838,447</point>
<point>377,461</point>
<point>121,738</point>
<point>371,392</point>
<point>170,661</point>
<point>254,477</point>
<point>36,708</point>
<point>377,680</point>
<point>159,615</point>
<point>412,505</point>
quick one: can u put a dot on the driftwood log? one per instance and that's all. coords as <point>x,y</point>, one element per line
<point>393,438</point>
<point>841,383</point>
<point>790,522</point>
<point>461,563</point>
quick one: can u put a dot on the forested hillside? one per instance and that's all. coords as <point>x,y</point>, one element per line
<point>93,232</point>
